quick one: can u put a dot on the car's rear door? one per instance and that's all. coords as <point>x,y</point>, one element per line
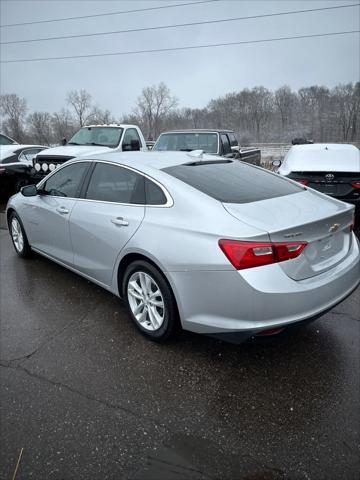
<point>105,218</point>
<point>46,215</point>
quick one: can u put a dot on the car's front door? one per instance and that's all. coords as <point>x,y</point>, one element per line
<point>47,216</point>
<point>105,218</point>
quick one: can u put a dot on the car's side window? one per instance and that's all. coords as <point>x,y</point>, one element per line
<point>154,194</point>
<point>233,141</point>
<point>66,182</point>
<point>226,144</point>
<point>11,159</point>
<point>112,183</point>
<point>131,140</point>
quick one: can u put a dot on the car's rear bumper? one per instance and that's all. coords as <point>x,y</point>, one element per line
<point>257,299</point>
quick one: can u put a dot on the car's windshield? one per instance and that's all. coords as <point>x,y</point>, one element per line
<point>103,136</point>
<point>208,142</point>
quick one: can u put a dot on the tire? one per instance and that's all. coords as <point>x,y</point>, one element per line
<point>156,316</point>
<point>18,236</point>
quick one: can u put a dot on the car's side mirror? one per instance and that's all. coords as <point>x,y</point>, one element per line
<point>63,141</point>
<point>135,145</point>
<point>276,163</point>
<point>29,191</point>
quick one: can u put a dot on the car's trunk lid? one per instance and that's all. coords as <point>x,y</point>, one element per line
<point>322,223</point>
<point>335,184</point>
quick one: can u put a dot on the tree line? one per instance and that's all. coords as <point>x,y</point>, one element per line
<point>259,115</point>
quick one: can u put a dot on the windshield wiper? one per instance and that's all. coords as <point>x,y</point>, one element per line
<point>186,149</point>
<point>96,144</point>
<point>74,143</point>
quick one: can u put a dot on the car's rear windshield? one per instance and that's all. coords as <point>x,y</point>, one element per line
<point>186,142</point>
<point>232,181</point>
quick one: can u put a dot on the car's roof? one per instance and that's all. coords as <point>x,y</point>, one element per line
<point>113,125</point>
<point>324,146</point>
<point>200,130</point>
<point>322,156</point>
<point>152,160</point>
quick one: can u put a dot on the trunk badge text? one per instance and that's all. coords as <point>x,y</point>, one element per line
<point>292,235</point>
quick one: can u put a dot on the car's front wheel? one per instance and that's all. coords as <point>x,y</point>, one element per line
<point>18,236</point>
<point>150,301</point>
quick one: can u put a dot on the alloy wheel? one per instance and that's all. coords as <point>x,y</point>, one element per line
<point>146,301</point>
<point>17,235</point>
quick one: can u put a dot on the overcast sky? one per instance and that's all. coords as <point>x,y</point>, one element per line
<point>194,76</point>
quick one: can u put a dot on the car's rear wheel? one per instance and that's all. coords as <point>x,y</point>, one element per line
<point>18,236</point>
<point>150,301</point>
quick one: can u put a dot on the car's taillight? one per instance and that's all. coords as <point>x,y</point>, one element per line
<point>356,184</point>
<point>242,254</point>
<point>301,180</point>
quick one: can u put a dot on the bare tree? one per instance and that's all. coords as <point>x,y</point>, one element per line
<point>13,108</point>
<point>81,103</point>
<point>153,105</point>
<point>284,101</point>
<point>260,107</point>
<point>103,117</point>
<point>63,125</point>
<point>39,125</point>
<point>347,101</point>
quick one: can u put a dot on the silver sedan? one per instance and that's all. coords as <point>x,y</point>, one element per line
<point>213,245</point>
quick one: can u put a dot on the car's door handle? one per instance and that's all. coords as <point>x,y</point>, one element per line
<point>62,210</point>
<point>119,221</point>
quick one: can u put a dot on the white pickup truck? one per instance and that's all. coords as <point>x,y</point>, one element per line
<point>89,139</point>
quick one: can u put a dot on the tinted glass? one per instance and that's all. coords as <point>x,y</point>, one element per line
<point>104,136</point>
<point>110,183</point>
<point>187,142</point>
<point>233,182</point>
<point>67,181</point>
<point>154,194</point>
<point>4,140</point>
<point>13,158</point>
<point>226,144</point>
<point>130,134</point>
<point>233,141</point>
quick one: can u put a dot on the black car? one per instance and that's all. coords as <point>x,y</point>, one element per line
<point>15,166</point>
<point>333,169</point>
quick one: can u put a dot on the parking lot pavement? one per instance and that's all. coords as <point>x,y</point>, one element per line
<point>87,397</point>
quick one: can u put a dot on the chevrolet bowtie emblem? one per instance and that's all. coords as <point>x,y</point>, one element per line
<point>334,228</point>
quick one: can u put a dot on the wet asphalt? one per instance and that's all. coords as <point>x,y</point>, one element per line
<point>87,397</point>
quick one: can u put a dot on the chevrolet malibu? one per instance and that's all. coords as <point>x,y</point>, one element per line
<point>213,245</point>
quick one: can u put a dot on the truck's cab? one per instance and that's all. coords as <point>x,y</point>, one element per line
<point>217,142</point>
<point>90,139</point>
